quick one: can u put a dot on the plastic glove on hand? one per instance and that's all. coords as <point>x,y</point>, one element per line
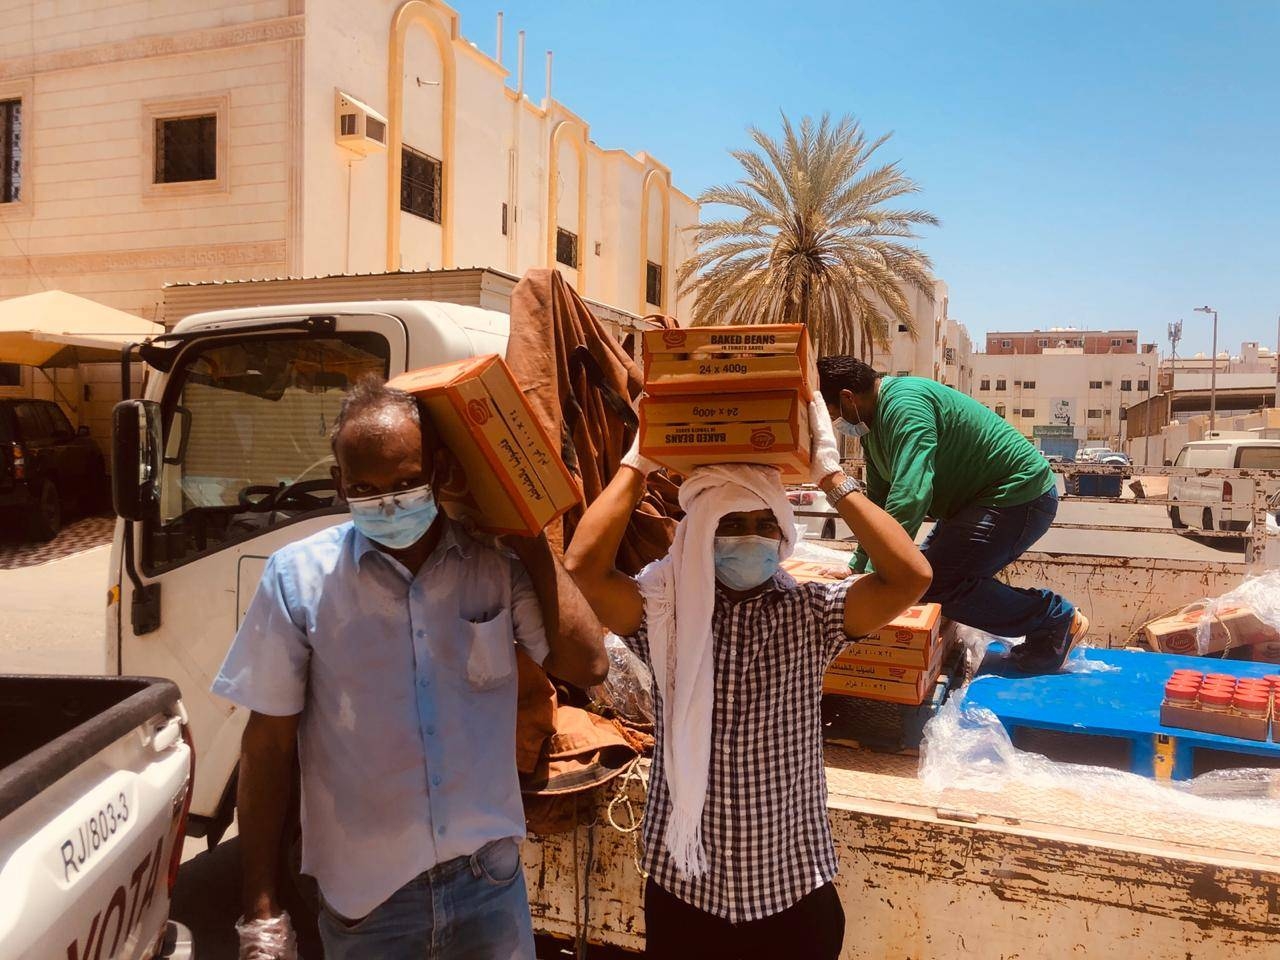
<point>824,455</point>
<point>637,461</point>
<point>272,939</point>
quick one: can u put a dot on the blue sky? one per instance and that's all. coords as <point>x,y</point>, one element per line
<point>1107,164</point>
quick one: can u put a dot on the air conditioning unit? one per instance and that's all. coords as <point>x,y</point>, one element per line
<point>357,126</point>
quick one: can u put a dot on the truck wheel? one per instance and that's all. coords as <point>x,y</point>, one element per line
<point>46,521</point>
<point>1175,518</point>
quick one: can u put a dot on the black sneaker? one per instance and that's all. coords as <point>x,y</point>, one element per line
<point>1038,660</point>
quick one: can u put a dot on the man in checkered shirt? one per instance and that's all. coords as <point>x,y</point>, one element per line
<point>762,883</point>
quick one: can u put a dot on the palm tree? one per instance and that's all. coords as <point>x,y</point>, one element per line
<point>815,243</point>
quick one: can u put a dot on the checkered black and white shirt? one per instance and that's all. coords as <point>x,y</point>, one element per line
<point>764,825</point>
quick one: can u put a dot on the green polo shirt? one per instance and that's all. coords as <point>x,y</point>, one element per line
<point>932,450</point>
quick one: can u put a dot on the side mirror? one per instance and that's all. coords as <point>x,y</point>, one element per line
<point>82,431</point>
<point>135,458</point>
<point>1168,463</point>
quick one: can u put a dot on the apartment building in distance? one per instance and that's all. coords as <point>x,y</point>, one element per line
<point>942,349</point>
<point>1062,338</point>
<point>1065,397</point>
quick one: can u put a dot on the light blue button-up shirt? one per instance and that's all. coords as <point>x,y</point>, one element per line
<point>407,691</point>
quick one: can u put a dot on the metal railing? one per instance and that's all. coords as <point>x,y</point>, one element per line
<point>1264,501</point>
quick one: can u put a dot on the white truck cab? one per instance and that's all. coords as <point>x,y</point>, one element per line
<point>1217,503</point>
<point>226,460</point>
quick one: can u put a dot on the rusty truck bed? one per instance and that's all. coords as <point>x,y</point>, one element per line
<point>1029,871</point>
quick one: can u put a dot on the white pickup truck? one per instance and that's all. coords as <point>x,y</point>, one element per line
<point>95,781</point>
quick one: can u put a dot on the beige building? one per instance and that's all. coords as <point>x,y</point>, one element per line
<point>217,139</point>
<point>942,349</point>
<point>1063,397</point>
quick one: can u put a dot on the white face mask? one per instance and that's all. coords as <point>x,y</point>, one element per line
<point>855,430</point>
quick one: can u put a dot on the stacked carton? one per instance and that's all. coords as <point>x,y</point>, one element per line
<point>515,481</point>
<point>728,395</point>
<point>899,663</point>
<point>1223,704</point>
<point>1235,626</point>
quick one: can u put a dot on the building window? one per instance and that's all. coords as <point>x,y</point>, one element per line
<point>653,284</point>
<point>10,151</point>
<point>186,149</point>
<point>1144,385</point>
<point>902,328</point>
<point>1126,385</point>
<point>1042,343</point>
<point>1095,384</point>
<point>504,219</point>
<point>1000,386</point>
<point>1115,342</point>
<point>1000,410</point>
<point>1095,414</point>
<point>420,184</point>
<point>567,247</point>
<point>1128,339</point>
<point>1006,344</point>
<point>10,375</point>
<point>1028,384</point>
<point>984,385</point>
<point>1028,413</point>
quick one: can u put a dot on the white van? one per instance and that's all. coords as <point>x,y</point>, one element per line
<point>1218,503</point>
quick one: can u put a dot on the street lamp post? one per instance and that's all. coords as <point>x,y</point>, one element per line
<point>1213,370</point>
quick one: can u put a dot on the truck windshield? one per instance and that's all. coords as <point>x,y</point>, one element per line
<point>247,425</point>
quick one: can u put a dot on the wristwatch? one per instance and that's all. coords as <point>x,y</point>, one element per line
<point>850,485</point>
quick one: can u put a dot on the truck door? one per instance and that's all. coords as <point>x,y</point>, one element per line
<point>246,469</point>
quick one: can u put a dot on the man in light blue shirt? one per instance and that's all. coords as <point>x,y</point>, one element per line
<point>384,652</point>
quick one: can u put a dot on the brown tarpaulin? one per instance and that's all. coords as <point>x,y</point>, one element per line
<point>583,387</point>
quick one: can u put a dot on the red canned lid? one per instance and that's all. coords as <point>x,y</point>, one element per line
<point>1273,679</point>
<point>1218,685</point>
<point>1185,672</point>
<point>1216,696</point>
<point>1174,690</point>
<point>1253,702</point>
<point>1253,683</point>
<point>1227,677</point>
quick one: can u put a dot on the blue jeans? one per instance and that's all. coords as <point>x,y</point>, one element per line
<point>468,908</point>
<point>966,552</point>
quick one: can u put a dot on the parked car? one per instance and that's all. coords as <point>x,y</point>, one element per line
<point>1115,459</point>
<point>1219,503</point>
<point>46,466</point>
<point>95,785</point>
<point>1093,454</point>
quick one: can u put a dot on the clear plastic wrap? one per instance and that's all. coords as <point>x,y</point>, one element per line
<point>965,747</point>
<point>1261,594</point>
<point>272,939</point>
<point>628,688</point>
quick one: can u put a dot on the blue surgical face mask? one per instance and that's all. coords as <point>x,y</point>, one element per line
<point>854,430</point>
<point>743,563</point>
<point>395,520</point>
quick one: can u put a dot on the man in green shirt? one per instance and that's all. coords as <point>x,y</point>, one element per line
<point>932,450</point>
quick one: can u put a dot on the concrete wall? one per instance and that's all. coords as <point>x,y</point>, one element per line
<point>1037,341</point>
<point>923,356</point>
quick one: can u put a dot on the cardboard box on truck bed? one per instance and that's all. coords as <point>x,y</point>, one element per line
<point>718,360</point>
<point>516,482</point>
<point>1235,626</point>
<point>763,428</point>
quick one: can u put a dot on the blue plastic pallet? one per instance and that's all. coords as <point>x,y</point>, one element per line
<point>1113,718</point>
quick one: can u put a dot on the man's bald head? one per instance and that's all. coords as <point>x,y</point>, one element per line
<point>378,441</point>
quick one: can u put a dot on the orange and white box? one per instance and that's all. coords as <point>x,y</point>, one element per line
<point>770,429</point>
<point>718,360</point>
<point>515,481</point>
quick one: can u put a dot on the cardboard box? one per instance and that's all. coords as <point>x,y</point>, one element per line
<point>850,664</point>
<point>1207,721</point>
<point>772,429</point>
<point>804,571</point>
<point>871,688</point>
<point>916,628</point>
<point>515,480</point>
<point>713,360</point>
<point>1230,627</point>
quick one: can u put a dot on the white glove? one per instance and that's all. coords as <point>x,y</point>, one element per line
<point>272,939</point>
<point>633,458</point>
<point>824,455</point>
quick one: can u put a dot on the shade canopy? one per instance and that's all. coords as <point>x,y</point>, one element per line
<point>60,329</point>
